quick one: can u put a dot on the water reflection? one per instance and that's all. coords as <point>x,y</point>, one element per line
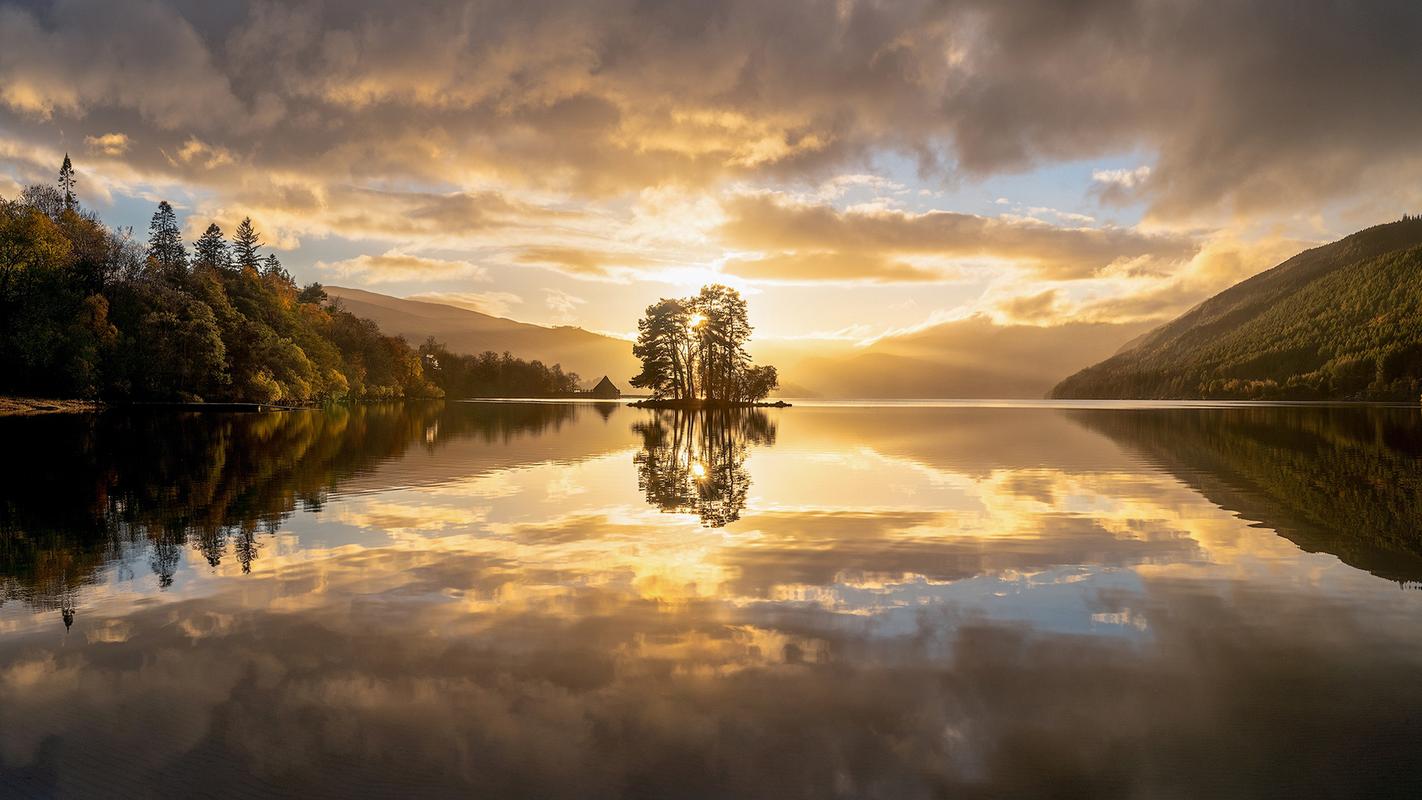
<point>91,490</point>
<point>492,599</point>
<point>1338,480</point>
<point>694,461</point>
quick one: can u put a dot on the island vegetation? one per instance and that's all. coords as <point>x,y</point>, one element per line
<point>693,353</point>
<point>91,312</point>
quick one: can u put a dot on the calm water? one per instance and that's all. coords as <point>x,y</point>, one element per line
<point>559,600</point>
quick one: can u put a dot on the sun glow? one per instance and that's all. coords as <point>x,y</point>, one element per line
<point>695,320</point>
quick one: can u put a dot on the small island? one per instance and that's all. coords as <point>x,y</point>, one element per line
<point>693,353</point>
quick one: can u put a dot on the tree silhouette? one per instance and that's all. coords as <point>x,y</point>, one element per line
<point>694,349</point>
<point>165,242</point>
<point>211,248</point>
<point>245,244</point>
<point>67,184</point>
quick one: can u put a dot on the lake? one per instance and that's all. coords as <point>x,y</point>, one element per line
<point>588,600</point>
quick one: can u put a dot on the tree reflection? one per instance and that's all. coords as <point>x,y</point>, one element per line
<point>85,491</point>
<point>693,462</point>
<point>1340,480</point>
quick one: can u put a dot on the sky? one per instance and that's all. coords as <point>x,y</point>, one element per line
<point>857,169</point>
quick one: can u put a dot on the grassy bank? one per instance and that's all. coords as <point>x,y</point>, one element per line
<point>16,406</point>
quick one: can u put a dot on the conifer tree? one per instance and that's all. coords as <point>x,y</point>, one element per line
<point>67,183</point>
<point>165,241</point>
<point>211,248</point>
<point>271,265</point>
<point>245,244</point>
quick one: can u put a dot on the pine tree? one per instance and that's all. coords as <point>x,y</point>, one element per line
<point>165,241</point>
<point>211,248</point>
<point>245,244</point>
<point>271,265</point>
<point>67,183</point>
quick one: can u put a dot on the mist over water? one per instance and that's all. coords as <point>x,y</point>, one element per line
<point>577,599</point>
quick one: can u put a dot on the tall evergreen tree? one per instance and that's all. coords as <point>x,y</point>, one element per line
<point>67,183</point>
<point>245,244</point>
<point>271,265</point>
<point>211,248</point>
<point>165,241</point>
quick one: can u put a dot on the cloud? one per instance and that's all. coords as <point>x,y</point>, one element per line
<point>394,266</point>
<point>1124,178</point>
<point>562,303</point>
<point>108,144</point>
<point>766,222</point>
<point>1032,308</point>
<point>498,304</point>
<point>583,262</point>
<point>830,267</point>
<point>606,96</point>
<point>197,152</point>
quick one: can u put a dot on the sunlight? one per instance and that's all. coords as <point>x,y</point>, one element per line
<point>698,471</point>
<point>696,320</point>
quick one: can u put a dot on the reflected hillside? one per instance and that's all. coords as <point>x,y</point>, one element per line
<point>89,490</point>
<point>1340,480</point>
<point>693,462</point>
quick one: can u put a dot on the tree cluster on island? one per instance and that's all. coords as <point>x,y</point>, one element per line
<point>92,312</point>
<point>693,352</point>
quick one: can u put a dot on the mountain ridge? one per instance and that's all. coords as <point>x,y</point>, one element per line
<point>466,331</point>
<point>1338,321</point>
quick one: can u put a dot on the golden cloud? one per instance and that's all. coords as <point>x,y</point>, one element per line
<point>394,266</point>
<point>769,222</point>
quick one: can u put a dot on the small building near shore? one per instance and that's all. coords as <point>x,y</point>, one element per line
<point>605,388</point>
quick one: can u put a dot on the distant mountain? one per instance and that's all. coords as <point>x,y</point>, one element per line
<point>589,354</point>
<point>969,358</point>
<point>1341,321</point>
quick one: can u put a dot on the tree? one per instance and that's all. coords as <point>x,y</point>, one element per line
<point>664,343</point>
<point>165,242</point>
<point>211,248</point>
<point>693,349</point>
<point>315,293</point>
<point>271,266</point>
<point>67,184</point>
<point>245,244</point>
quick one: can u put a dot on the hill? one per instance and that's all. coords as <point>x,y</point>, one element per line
<point>969,358</point>
<point>590,355</point>
<point>1341,321</point>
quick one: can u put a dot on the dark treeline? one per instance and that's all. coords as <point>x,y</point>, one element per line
<point>490,374</point>
<point>92,312</point>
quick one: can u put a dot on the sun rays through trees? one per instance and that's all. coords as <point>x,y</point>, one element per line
<point>693,351</point>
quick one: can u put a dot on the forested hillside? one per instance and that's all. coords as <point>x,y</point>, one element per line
<point>92,312</point>
<point>1342,321</point>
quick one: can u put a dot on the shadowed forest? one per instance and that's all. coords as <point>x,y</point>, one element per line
<point>92,312</point>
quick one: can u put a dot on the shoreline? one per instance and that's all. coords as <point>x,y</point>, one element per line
<point>705,405</point>
<point>35,406</point>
